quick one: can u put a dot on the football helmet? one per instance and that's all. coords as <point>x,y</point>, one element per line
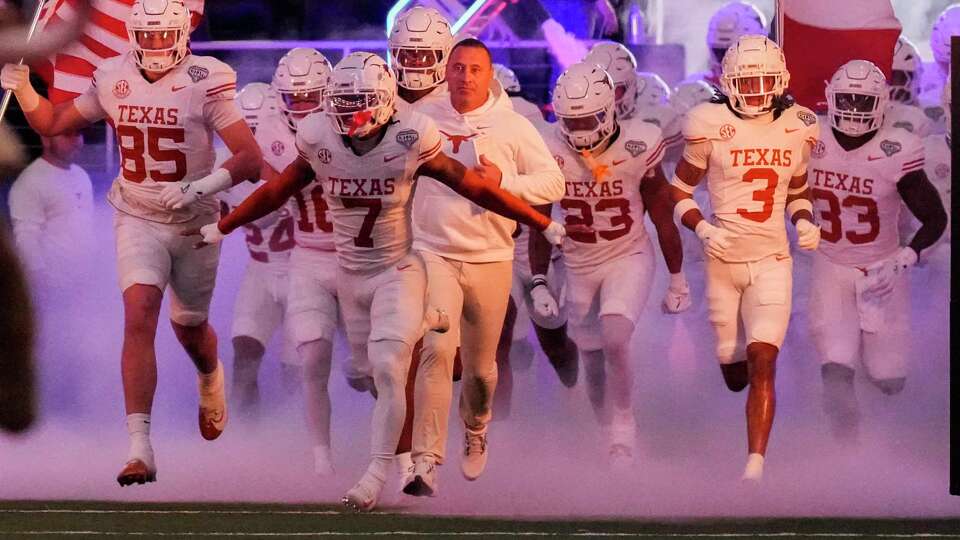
<point>298,82</point>
<point>158,31</point>
<point>507,78</point>
<point>754,73</point>
<point>652,91</point>
<point>857,98</point>
<point>360,94</point>
<point>728,24</point>
<point>621,65</point>
<point>584,102</point>
<point>947,25</point>
<point>255,100</point>
<point>907,71</point>
<point>689,94</point>
<point>418,48</point>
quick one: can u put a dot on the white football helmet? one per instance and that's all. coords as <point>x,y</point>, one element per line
<point>419,46</point>
<point>255,100</point>
<point>947,100</point>
<point>857,98</point>
<point>298,81</point>
<point>907,71</point>
<point>507,78</point>
<point>690,94</point>
<point>947,25</point>
<point>159,31</point>
<point>621,65</point>
<point>652,90</point>
<point>360,94</point>
<point>754,68</point>
<point>728,24</point>
<point>584,101</point>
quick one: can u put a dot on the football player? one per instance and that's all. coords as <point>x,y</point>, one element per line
<point>946,26</point>
<point>862,172</point>
<point>164,104</point>
<point>902,108</point>
<point>753,148</point>
<point>726,26</point>
<point>381,282</point>
<point>262,298</point>
<point>613,175</point>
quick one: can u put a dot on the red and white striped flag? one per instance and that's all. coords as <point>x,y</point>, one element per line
<point>819,36</point>
<point>69,72</point>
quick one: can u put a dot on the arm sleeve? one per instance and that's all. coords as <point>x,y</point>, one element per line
<point>538,179</point>
<point>27,214</point>
<point>88,103</point>
<point>698,153</point>
<point>220,114</point>
<point>924,203</point>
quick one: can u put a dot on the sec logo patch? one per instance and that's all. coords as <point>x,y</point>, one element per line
<point>277,148</point>
<point>324,156</point>
<point>121,89</point>
<point>727,132</point>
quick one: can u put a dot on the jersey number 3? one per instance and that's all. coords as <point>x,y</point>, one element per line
<point>764,195</point>
<point>141,145</point>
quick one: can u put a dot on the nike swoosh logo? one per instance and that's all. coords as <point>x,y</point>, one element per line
<point>874,158</point>
<point>178,88</point>
<point>387,159</point>
<point>791,130</point>
<point>617,162</point>
<point>404,267</point>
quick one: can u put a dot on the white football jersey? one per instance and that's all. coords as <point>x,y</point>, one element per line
<point>855,193</point>
<point>269,239</point>
<point>163,129</point>
<point>278,143</point>
<point>665,118</point>
<point>937,166</point>
<point>908,117</point>
<point>603,193</point>
<point>370,195</point>
<point>749,168</point>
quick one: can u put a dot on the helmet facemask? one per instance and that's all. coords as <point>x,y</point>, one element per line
<point>358,113</point>
<point>752,93</point>
<point>589,131</point>
<point>298,104</point>
<point>159,49</point>
<point>855,114</point>
<point>418,69</point>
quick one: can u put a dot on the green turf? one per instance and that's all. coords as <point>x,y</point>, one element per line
<point>82,519</point>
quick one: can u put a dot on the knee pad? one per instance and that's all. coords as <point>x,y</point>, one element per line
<point>890,387</point>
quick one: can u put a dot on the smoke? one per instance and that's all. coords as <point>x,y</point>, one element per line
<point>546,459</point>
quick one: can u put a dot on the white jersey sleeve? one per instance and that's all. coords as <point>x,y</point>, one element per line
<point>269,239</point>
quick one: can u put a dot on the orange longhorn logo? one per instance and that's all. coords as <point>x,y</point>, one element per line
<point>599,170</point>
<point>457,140</point>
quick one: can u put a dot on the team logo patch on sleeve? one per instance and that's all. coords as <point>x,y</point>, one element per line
<point>277,148</point>
<point>635,147</point>
<point>808,119</point>
<point>324,156</point>
<point>727,132</point>
<point>198,73</point>
<point>942,170</point>
<point>890,147</point>
<point>408,138</point>
<point>121,89</point>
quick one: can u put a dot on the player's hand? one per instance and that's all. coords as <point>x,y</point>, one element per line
<point>15,77</point>
<point>677,299</point>
<point>715,240</point>
<point>808,235</point>
<point>209,234</point>
<point>554,233</point>
<point>177,195</point>
<point>891,269</point>
<point>544,304</point>
<point>489,171</point>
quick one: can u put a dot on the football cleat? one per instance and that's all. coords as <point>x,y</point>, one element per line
<point>363,496</point>
<point>213,406</point>
<point>474,454</point>
<point>403,464</point>
<point>423,481</point>
<point>136,471</point>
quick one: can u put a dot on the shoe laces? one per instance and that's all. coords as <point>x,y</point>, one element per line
<point>475,443</point>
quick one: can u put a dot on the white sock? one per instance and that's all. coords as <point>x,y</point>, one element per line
<point>138,427</point>
<point>754,469</point>
<point>209,382</point>
<point>403,462</point>
<point>323,460</point>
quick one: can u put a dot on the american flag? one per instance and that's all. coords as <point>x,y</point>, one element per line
<point>69,72</point>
